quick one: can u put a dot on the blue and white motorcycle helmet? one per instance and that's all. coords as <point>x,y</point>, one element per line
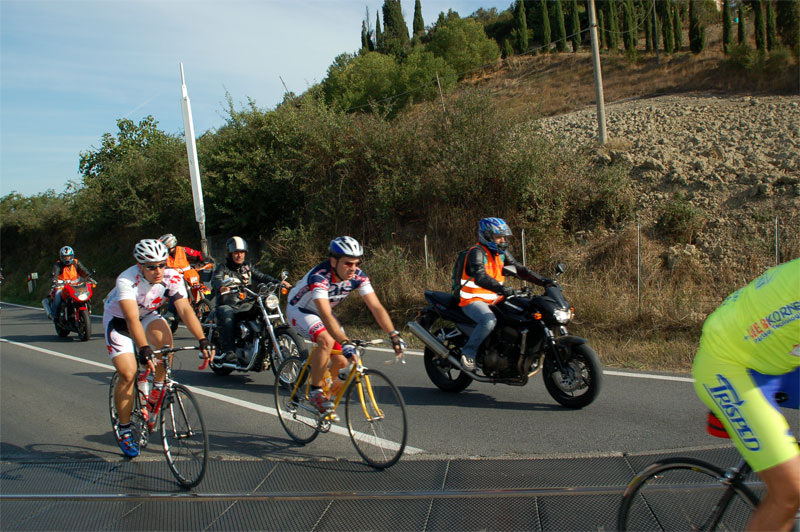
<point>491,227</point>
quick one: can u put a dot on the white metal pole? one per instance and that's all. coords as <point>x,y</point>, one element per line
<point>598,75</point>
<point>194,166</point>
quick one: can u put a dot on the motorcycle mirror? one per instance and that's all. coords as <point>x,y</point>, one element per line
<point>560,267</point>
<point>284,275</point>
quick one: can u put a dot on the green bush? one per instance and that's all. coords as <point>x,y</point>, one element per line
<point>679,220</point>
<point>463,44</point>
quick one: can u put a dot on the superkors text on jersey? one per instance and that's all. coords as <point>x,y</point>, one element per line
<point>318,284</point>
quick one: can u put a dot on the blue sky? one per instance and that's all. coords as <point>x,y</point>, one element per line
<point>69,69</point>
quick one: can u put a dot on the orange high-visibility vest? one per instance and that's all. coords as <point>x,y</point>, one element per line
<point>471,292</point>
<point>179,262</point>
<point>69,273</point>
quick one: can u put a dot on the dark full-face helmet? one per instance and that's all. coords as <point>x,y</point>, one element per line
<point>488,228</point>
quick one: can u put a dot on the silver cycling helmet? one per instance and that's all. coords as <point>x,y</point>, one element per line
<point>345,246</point>
<point>150,250</point>
<point>169,240</point>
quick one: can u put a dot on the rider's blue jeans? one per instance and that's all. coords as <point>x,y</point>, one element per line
<point>485,321</point>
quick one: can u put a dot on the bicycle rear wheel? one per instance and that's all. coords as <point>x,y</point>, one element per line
<point>138,422</point>
<point>184,436</point>
<point>376,419</point>
<point>684,494</point>
<point>295,413</point>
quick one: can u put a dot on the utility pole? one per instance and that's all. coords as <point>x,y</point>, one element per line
<point>598,75</point>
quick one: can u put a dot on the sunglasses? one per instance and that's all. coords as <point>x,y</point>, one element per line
<point>153,267</point>
<point>352,263</point>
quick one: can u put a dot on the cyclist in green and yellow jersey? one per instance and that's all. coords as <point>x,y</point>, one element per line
<point>749,355</point>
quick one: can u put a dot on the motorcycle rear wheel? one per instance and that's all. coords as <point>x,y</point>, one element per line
<point>444,375</point>
<point>581,382</point>
<point>85,326</point>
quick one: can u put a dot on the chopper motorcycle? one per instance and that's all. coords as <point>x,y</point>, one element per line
<point>530,336</point>
<point>74,313</point>
<point>261,342</point>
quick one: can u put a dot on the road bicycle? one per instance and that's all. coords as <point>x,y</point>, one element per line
<point>375,412</point>
<point>685,493</point>
<point>183,432</point>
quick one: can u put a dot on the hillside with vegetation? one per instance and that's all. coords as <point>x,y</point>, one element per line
<point>408,142</point>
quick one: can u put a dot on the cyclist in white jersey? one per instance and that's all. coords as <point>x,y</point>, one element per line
<point>310,311</point>
<point>131,323</point>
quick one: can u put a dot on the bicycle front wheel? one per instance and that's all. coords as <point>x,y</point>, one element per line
<point>295,412</point>
<point>137,418</point>
<point>684,494</point>
<point>184,436</point>
<point>376,419</point>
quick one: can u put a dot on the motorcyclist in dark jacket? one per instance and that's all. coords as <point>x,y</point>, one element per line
<point>234,272</point>
<point>482,282</point>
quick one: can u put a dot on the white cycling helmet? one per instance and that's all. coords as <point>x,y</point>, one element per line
<point>169,240</point>
<point>345,246</point>
<point>150,250</point>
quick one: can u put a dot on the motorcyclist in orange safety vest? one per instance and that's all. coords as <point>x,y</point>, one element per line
<point>180,256</point>
<point>482,282</point>
<point>66,268</point>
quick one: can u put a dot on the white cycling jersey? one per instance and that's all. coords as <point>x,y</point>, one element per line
<point>318,284</point>
<point>131,284</point>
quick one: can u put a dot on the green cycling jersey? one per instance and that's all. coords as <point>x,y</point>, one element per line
<point>758,326</point>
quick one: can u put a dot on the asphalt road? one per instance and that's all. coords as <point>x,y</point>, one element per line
<point>54,404</point>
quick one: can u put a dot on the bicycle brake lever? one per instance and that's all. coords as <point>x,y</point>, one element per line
<point>205,363</point>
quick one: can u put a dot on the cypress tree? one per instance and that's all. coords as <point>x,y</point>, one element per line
<point>727,27</point>
<point>613,25</point>
<point>648,28</point>
<point>575,22</point>
<point>364,45</point>
<point>419,25</point>
<point>561,32</point>
<point>378,34</point>
<point>760,29</point>
<point>697,31</point>
<point>742,29</point>
<point>771,28</point>
<point>395,31</point>
<point>521,26</point>
<point>678,29</point>
<point>629,26</point>
<point>545,25</point>
<point>601,29</point>
<point>667,26</point>
<point>508,49</point>
<point>788,23</point>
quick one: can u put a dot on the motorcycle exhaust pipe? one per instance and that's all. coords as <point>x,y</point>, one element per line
<point>428,339</point>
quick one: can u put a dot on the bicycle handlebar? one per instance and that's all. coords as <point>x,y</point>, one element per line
<point>167,350</point>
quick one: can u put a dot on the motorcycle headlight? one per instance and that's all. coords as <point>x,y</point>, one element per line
<point>563,315</point>
<point>271,302</point>
<point>83,297</point>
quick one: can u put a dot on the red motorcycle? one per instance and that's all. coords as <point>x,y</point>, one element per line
<point>74,312</point>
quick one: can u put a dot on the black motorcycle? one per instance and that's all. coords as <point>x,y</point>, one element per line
<point>530,336</point>
<point>261,342</point>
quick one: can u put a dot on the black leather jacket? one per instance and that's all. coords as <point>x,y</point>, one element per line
<point>474,268</point>
<point>243,274</point>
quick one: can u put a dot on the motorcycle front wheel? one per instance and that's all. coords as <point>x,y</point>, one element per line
<point>63,332</point>
<point>85,326</point>
<point>290,344</point>
<point>579,384</point>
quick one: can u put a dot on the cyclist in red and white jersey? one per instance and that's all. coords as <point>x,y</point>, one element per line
<point>310,311</point>
<point>132,323</point>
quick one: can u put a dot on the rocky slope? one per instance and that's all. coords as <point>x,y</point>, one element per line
<point>735,159</point>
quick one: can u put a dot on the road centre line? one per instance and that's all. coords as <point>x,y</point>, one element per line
<point>337,429</point>
<point>420,353</point>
